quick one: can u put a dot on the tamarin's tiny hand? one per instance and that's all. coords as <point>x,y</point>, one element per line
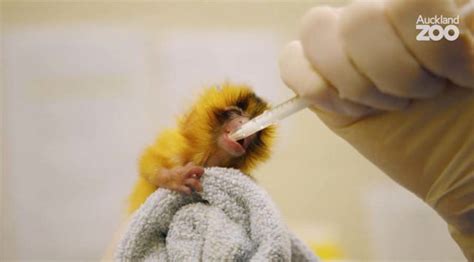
<point>184,179</point>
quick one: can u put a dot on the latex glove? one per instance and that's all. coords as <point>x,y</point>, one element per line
<point>357,62</point>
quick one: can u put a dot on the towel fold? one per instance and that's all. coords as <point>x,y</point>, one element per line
<point>232,219</point>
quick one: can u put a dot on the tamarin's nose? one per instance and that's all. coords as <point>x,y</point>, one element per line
<point>243,120</point>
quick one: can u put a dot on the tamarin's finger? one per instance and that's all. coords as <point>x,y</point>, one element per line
<point>184,189</point>
<point>199,186</point>
<point>195,171</point>
<point>193,184</point>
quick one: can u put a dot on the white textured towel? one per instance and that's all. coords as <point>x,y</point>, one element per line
<point>232,219</point>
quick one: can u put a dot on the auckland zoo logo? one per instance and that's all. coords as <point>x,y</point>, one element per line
<point>436,27</point>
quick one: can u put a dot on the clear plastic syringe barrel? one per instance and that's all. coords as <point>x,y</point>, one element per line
<point>269,117</point>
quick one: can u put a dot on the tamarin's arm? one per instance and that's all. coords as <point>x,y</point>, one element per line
<point>152,163</point>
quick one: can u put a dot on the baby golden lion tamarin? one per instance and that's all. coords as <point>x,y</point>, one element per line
<point>176,160</point>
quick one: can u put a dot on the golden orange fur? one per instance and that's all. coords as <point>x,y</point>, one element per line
<point>194,138</point>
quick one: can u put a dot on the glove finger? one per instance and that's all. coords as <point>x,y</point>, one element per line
<point>450,59</point>
<point>323,48</point>
<point>298,74</point>
<point>376,50</point>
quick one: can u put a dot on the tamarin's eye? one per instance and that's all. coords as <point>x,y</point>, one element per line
<point>243,104</point>
<point>234,110</point>
<point>229,113</point>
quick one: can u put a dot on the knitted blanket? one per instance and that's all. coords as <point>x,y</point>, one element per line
<point>232,219</point>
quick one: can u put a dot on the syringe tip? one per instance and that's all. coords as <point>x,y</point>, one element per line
<point>237,134</point>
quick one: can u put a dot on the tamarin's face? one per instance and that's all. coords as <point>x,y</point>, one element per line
<point>233,117</point>
<point>217,113</point>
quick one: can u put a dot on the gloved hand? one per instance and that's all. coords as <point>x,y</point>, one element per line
<point>407,106</point>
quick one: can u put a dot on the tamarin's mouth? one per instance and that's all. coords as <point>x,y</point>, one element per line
<point>244,142</point>
<point>241,142</point>
<point>235,148</point>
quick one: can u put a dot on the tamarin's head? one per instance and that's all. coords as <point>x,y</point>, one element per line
<point>217,113</point>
